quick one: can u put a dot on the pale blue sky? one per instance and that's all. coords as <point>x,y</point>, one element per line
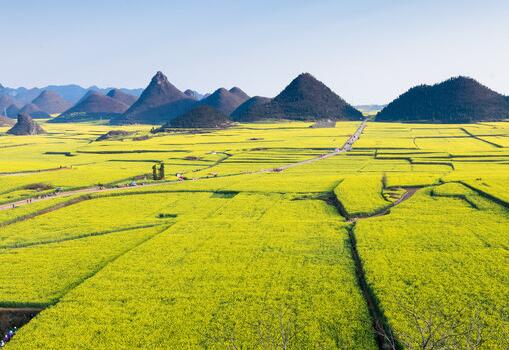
<point>368,51</point>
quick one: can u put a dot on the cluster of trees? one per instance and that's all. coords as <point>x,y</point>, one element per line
<point>457,100</point>
<point>158,174</point>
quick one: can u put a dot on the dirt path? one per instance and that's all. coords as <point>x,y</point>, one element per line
<point>16,317</point>
<point>410,191</point>
<point>346,147</point>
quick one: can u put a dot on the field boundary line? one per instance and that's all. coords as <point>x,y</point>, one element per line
<point>46,210</point>
<point>26,172</point>
<point>74,238</point>
<point>484,194</point>
<point>381,328</point>
<point>480,139</point>
<point>86,277</point>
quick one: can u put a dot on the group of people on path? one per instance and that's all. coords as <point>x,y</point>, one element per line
<point>8,336</point>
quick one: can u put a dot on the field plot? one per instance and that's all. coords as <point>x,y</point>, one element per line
<point>230,279</point>
<point>362,195</point>
<point>441,256</point>
<point>408,228</point>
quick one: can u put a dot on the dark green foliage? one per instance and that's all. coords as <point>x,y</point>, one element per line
<point>166,215</point>
<point>305,98</point>
<point>224,194</point>
<point>457,100</point>
<point>252,109</point>
<point>161,171</point>
<point>200,117</point>
<point>158,174</point>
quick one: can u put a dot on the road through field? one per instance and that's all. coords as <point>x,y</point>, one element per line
<point>345,148</point>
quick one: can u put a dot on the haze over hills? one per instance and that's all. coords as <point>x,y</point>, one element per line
<point>11,111</point>
<point>96,106</point>
<point>194,94</point>
<point>457,100</point>
<point>34,111</point>
<point>201,116</point>
<point>71,93</point>
<point>370,108</point>
<point>51,102</point>
<point>5,102</point>
<point>305,98</point>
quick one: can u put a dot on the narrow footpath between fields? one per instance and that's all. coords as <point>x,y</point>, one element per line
<point>410,191</point>
<point>381,329</point>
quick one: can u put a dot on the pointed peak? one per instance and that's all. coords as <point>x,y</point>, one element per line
<point>159,77</point>
<point>305,77</point>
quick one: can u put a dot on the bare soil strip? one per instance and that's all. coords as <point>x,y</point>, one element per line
<point>410,191</point>
<point>16,317</point>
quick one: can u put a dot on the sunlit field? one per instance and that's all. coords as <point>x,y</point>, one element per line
<point>405,236</point>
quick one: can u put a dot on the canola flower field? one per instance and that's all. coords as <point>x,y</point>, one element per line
<point>400,243</point>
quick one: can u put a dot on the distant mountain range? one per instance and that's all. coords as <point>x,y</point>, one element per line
<point>370,108</point>
<point>162,102</point>
<point>95,105</point>
<point>305,98</point>
<point>71,93</point>
<point>51,102</point>
<point>457,100</point>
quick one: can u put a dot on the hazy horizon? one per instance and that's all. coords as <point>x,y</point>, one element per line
<point>368,52</point>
